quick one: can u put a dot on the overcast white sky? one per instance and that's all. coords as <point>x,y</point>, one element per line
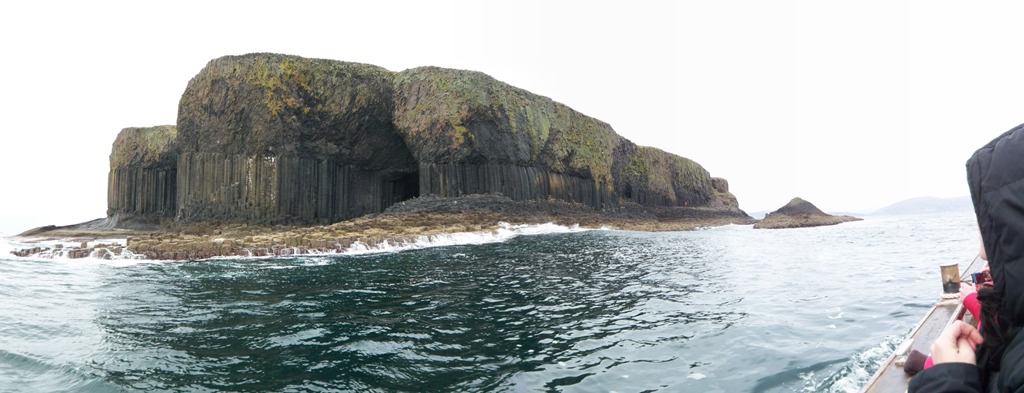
<point>850,105</point>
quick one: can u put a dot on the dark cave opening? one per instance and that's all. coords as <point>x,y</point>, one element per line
<point>402,187</point>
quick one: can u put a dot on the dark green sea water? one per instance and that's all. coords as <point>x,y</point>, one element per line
<point>727,309</point>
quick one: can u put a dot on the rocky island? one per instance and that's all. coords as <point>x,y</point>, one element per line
<point>277,154</point>
<point>799,213</point>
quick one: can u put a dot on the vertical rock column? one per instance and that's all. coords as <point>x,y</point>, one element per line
<point>519,183</point>
<point>278,139</point>
<point>141,191</point>
<point>270,190</point>
<point>142,183</point>
<point>652,177</point>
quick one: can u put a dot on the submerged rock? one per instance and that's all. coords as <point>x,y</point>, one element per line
<point>799,213</point>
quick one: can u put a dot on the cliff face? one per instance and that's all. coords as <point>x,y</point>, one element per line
<point>465,116</point>
<point>270,138</point>
<point>652,177</point>
<point>277,105</point>
<point>141,186</point>
<point>474,134</point>
<point>278,139</point>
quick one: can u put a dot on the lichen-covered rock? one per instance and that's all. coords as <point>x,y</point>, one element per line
<point>474,134</point>
<point>278,105</point>
<point>451,116</point>
<point>273,138</point>
<point>269,138</point>
<point>720,185</point>
<point>652,177</point>
<point>464,120</point>
<point>141,185</point>
<point>146,147</point>
<point>799,213</point>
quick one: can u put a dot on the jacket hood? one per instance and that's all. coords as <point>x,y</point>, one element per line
<point>995,175</point>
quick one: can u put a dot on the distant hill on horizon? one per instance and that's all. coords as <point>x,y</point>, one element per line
<point>923,205</point>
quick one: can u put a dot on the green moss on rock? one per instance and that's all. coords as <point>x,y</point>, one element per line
<point>335,139</point>
<point>145,147</point>
<point>451,116</point>
<point>278,105</point>
<point>141,184</point>
<point>651,176</point>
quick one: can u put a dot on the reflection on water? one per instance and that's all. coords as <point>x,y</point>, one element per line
<point>728,309</point>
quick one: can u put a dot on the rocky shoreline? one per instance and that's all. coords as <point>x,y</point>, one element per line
<point>415,220</point>
<point>274,154</point>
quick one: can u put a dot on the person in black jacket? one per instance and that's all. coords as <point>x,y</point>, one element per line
<point>993,361</point>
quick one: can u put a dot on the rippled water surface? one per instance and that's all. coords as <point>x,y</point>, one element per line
<point>728,309</point>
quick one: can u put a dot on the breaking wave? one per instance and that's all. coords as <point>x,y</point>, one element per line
<point>504,233</point>
<point>118,250</point>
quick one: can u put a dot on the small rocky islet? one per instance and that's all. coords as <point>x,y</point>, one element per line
<point>799,213</point>
<point>276,154</point>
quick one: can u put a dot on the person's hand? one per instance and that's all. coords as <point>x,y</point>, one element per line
<point>966,289</point>
<point>956,344</point>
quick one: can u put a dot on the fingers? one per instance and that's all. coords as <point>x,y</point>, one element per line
<point>948,338</point>
<point>956,344</point>
<point>963,330</point>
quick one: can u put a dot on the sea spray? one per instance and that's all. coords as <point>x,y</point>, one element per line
<point>504,232</point>
<point>116,249</point>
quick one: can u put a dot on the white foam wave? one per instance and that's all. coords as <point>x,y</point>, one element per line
<point>726,227</point>
<point>112,251</point>
<point>504,232</point>
<point>857,370</point>
<point>125,256</point>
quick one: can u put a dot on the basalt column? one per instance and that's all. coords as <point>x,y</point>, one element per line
<point>652,177</point>
<point>514,181</point>
<point>282,139</point>
<point>141,185</point>
<point>473,134</point>
<point>225,187</point>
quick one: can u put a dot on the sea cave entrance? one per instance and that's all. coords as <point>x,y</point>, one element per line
<point>401,187</point>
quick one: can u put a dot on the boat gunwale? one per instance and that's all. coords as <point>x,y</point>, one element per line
<point>889,366</point>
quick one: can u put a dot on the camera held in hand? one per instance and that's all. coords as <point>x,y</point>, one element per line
<point>981,278</point>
